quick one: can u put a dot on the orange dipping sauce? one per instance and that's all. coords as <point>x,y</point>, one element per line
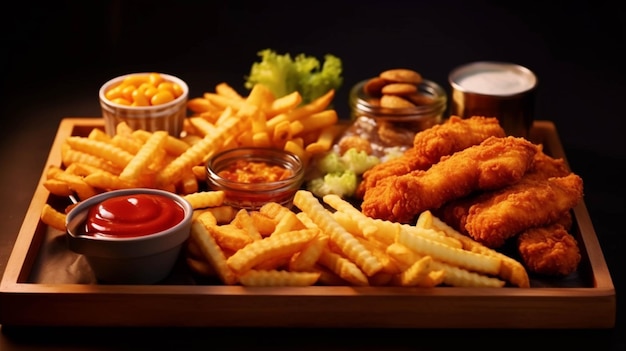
<point>243,171</point>
<point>132,216</point>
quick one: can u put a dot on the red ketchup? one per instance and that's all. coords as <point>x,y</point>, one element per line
<point>133,215</point>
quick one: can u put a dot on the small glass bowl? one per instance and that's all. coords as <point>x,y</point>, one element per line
<point>169,116</point>
<point>400,124</point>
<point>253,195</point>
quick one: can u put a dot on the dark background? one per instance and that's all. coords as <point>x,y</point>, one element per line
<point>55,55</point>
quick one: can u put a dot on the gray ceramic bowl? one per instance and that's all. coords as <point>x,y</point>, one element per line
<point>144,259</point>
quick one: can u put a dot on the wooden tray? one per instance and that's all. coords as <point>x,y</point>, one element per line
<point>584,301</point>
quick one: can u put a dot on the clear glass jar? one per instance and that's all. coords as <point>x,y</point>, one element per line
<point>252,195</point>
<point>395,127</point>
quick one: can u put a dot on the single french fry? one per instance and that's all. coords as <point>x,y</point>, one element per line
<point>58,187</point>
<point>224,89</point>
<point>106,151</point>
<point>224,102</point>
<point>260,96</point>
<point>348,244</point>
<point>144,156</point>
<point>288,222</point>
<point>78,184</point>
<point>199,105</point>
<point>320,120</point>
<point>284,104</point>
<point>99,134</point>
<point>70,156</point>
<point>202,126</point>
<point>212,252</point>
<point>343,267</point>
<point>204,199</point>
<point>458,257</point>
<point>123,129</point>
<point>325,139</point>
<point>278,278</point>
<point>296,148</point>
<point>229,237</point>
<point>188,183</point>
<point>304,261</point>
<point>283,245</point>
<point>108,181</point>
<point>53,218</point>
<point>264,224</point>
<point>281,134</point>
<point>261,139</point>
<point>243,220</point>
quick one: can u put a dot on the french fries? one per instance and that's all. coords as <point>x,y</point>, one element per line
<point>331,247</point>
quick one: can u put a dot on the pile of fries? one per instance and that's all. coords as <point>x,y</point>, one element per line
<point>276,246</point>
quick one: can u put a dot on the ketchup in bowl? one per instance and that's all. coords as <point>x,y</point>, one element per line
<point>133,215</point>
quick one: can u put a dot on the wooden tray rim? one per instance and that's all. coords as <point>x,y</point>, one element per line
<point>478,307</point>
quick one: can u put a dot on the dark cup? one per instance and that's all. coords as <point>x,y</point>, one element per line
<point>495,89</point>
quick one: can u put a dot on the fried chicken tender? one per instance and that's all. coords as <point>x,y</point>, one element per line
<point>549,250</point>
<point>429,145</point>
<point>494,163</point>
<point>544,195</point>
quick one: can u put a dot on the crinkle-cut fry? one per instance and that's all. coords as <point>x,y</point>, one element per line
<point>348,244</point>
<point>274,210</point>
<point>77,184</point>
<point>379,250</point>
<point>70,156</point>
<point>454,276</point>
<point>263,223</point>
<point>343,267</point>
<point>175,146</point>
<point>144,156</point>
<point>224,89</point>
<point>229,237</point>
<point>224,214</point>
<point>305,259</point>
<point>320,120</point>
<point>201,151</point>
<point>52,217</point>
<point>99,134</point>
<point>108,181</point>
<point>82,169</point>
<point>384,231</point>
<point>328,277</point>
<point>57,187</point>
<point>511,270</point>
<point>416,273</point>
<point>348,223</point>
<point>122,128</point>
<point>461,258</point>
<point>202,126</point>
<point>278,278</point>
<point>212,252</point>
<point>306,220</point>
<point>325,139</point>
<point>127,142</point>
<point>273,263</point>
<point>243,221</point>
<point>433,234</point>
<point>284,104</point>
<point>204,199</point>
<point>282,245</point>
<point>288,222</point>
<point>224,102</point>
<point>199,172</point>
<point>109,152</point>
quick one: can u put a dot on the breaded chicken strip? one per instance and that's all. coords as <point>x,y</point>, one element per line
<point>549,250</point>
<point>492,164</point>
<point>431,144</point>
<point>544,195</point>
